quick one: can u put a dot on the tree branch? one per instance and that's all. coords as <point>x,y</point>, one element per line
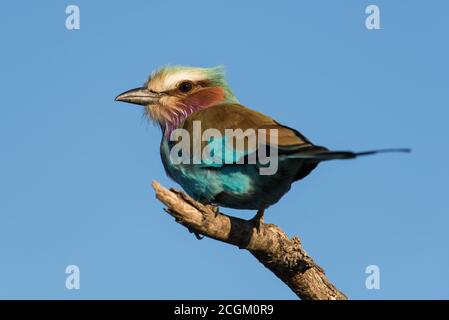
<point>270,245</point>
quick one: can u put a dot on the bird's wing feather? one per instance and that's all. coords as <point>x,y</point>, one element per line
<point>234,117</point>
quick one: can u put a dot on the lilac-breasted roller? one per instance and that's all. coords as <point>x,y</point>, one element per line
<point>178,97</point>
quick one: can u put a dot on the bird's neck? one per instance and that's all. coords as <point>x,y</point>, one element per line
<point>200,100</point>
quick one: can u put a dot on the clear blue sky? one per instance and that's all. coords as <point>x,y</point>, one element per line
<point>76,167</point>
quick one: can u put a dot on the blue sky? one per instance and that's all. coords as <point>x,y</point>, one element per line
<point>76,167</point>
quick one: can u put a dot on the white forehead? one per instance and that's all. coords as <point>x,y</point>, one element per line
<point>167,80</point>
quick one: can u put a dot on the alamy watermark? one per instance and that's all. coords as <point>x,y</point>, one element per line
<point>372,21</point>
<point>73,279</point>
<point>373,279</point>
<point>235,147</point>
<point>72,22</point>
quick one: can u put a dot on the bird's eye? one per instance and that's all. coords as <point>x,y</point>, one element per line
<point>185,86</point>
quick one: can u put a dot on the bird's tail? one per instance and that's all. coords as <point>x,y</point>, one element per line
<point>322,154</point>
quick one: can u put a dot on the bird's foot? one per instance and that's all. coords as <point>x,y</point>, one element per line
<point>213,208</point>
<point>258,220</point>
<point>197,235</point>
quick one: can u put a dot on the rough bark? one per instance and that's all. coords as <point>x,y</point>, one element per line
<point>270,245</point>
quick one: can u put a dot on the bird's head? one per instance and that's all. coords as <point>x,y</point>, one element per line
<point>172,93</point>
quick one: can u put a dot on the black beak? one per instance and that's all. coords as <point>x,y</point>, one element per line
<point>140,96</point>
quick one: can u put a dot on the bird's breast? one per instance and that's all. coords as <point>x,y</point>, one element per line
<point>237,186</point>
<point>203,181</point>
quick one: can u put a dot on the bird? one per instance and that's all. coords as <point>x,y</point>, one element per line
<point>177,97</point>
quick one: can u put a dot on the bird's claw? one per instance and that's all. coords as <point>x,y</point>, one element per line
<point>214,209</point>
<point>258,221</point>
<point>197,235</point>
<point>257,225</point>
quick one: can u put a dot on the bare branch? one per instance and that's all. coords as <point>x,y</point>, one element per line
<point>270,245</point>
